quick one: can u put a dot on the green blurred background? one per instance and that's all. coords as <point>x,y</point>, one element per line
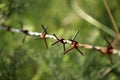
<point>32,61</point>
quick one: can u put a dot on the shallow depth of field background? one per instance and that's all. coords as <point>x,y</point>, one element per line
<point>32,61</point>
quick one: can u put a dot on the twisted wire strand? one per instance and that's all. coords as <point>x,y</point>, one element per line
<point>37,34</point>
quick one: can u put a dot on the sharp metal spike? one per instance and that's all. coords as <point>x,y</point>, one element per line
<point>64,47</point>
<point>56,37</point>
<point>109,46</point>
<point>75,35</point>
<point>43,35</point>
<point>68,50</point>
<point>109,42</point>
<point>24,31</point>
<point>110,58</point>
<point>54,43</point>
<point>79,51</point>
<point>24,38</point>
<point>44,28</point>
<point>46,43</point>
<point>106,40</point>
<point>59,40</point>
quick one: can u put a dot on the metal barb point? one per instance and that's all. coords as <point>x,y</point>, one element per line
<point>46,43</point>
<point>24,39</point>
<point>110,58</point>
<point>68,50</point>
<point>108,42</point>
<point>79,51</point>
<point>43,35</point>
<point>44,29</point>
<point>59,40</point>
<point>24,31</point>
<point>74,44</point>
<point>75,35</point>
<point>109,47</point>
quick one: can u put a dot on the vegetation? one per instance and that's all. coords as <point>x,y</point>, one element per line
<point>32,61</point>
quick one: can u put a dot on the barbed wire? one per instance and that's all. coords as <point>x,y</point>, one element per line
<point>108,50</point>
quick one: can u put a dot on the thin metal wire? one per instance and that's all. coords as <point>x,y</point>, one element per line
<point>36,34</point>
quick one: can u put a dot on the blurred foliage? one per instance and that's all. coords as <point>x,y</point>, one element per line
<point>32,61</point>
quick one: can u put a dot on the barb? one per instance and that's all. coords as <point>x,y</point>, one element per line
<point>59,40</point>
<point>25,31</point>
<point>43,35</point>
<point>74,44</point>
<point>108,50</point>
<point>75,35</point>
<point>8,28</point>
